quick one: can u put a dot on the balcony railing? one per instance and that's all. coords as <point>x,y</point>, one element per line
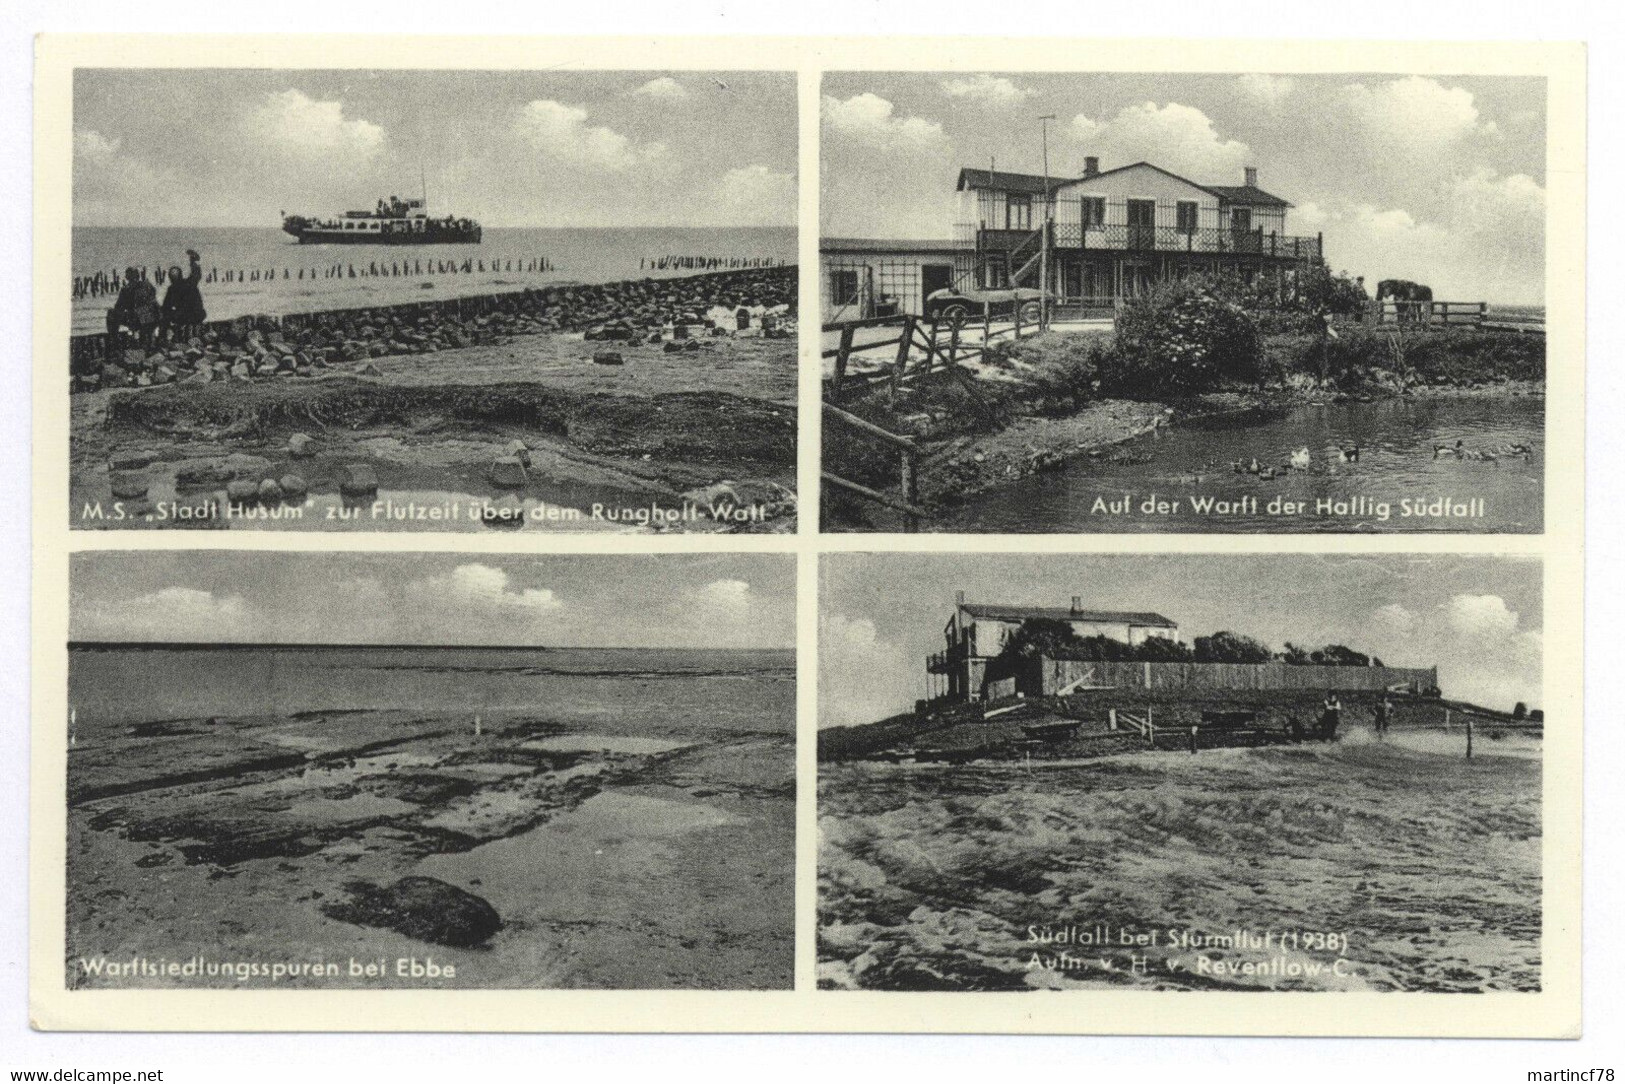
<point>1117,237</point>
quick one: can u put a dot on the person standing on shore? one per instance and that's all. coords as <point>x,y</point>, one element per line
<point>1384,713</point>
<point>1331,714</point>
<point>136,309</point>
<point>183,311</point>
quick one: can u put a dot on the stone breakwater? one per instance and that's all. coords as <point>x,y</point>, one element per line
<point>253,348</point>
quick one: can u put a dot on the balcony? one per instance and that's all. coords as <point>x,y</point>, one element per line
<point>1071,237</point>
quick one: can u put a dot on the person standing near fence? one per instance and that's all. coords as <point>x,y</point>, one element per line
<point>183,311</point>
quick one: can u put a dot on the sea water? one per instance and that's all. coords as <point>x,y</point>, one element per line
<point>572,255</point>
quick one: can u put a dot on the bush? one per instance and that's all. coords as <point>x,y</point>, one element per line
<point>1230,647</point>
<point>1182,339</point>
<point>1360,353</point>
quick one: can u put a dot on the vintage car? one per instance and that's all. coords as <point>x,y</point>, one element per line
<point>960,307</point>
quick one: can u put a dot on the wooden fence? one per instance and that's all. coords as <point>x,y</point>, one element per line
<point>908,469</point>
<point>914,346</point>
<point>1432,315</point>
<point>1053,675</point>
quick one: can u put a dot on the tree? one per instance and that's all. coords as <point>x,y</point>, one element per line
<point>1230,647</point>
<point>1294,655</point>
<point>1338,655</point>
<point>1520,710</point>
<point>1041,636</point>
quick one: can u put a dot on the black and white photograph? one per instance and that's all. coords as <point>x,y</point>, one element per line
<point>1175,302</point>
<point>430,771</point>
<point>1305,773</point>
<point>408,300</point>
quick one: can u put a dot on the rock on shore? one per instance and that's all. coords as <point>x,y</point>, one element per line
<point>303,345</point>
<point>423,908</point>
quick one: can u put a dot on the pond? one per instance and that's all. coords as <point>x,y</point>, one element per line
<point>1183,477</point>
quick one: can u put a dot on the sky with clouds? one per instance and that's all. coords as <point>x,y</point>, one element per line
<point>670,600</point>
<point>1478,619</point>
<point>227,147</point>
<point>1438,179</point>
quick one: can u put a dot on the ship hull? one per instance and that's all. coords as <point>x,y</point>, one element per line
<point>403,238</point>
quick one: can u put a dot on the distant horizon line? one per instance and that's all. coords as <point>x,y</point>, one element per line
<point>210,645</point>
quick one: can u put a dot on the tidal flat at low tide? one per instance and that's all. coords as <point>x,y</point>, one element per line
<point>628,816</point>
<point>1425,864</point>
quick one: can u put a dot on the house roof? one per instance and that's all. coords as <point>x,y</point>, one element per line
<point>887,245</point>
<point>1066,613</point>
<point>1035,183</point>
<point>1246,193</point>
<point>1010,182</point>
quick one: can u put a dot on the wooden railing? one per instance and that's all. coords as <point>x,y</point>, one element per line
<point>1432,314</point>
<point>919,347</point>
<point>908,469</point>
<point>1120,237</point>
<point>1146,728</point>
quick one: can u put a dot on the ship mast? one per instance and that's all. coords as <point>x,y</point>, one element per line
<point>423,186</point>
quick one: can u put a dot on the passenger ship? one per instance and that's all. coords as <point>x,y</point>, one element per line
<point>393,221</point>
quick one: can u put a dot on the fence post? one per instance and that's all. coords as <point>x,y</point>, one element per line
<point>1469,738</point>
<point>904,340</point>
<point>987,321</point>
<point>911,491</point>
<point>843,352</point>
<point>1111,718</point>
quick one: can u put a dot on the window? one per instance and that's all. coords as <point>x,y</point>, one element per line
<point>1094,211</point>
<point>995,276</point>
<point>1187,216</point>
<point>1018,212</point>
<point>843,287</point>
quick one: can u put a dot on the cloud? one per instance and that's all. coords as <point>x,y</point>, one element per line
<point>871,120</point>
<point>987,90</point>
<point>561,132</point>
<point>169,613</point>
<point>477,588</point>
<point>1179,138</point>
<point>1394,620</point>
<point>293,122</point>
<point>1265,91</point>
<point>727,593</point>
<point>862,677</point>
<point>665,88</point>
<point>1414,118</point>
<point>1484,617</point>
<point>757,195</point>
<point>90,147</point>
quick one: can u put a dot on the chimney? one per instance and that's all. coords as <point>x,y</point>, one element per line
<point>1251,173</point>
<point>1091,166</point>
<point>959,598</point>
<point>1077,604</point>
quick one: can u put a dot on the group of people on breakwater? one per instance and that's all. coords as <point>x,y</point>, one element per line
<point>105,283</point>
<point>708,263</point>
<point>180,315</point>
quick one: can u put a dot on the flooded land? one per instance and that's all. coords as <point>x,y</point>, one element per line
<point>516,818</point>
<point>1360,865</point>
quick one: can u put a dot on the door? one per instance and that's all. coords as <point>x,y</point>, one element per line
<point>1241,229</point>
<point>934,277</point>
<point>1142,223</point>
